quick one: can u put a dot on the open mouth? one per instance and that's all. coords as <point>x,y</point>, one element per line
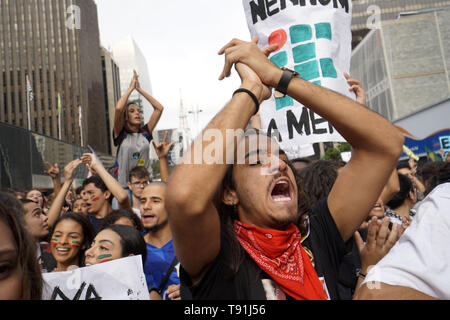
<point>148,218</point>
<point>62,251</point>
<point>281,191</point>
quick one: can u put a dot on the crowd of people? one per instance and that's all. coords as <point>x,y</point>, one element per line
<point>274,228</point>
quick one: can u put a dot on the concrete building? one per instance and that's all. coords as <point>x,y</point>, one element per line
<point>111,82</point>
<point>404,65</point>
<point>129,57</point>
<point>55,43</point>
<point>366,13</point>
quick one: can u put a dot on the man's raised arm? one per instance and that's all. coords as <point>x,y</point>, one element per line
<point>376,143</point>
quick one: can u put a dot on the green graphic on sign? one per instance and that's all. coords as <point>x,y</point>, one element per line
<point>305,56</point>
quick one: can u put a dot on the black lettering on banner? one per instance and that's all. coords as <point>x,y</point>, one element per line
<point>270,3</point>
<point>263,8</point>
<point>78,295</point>
<point>91,293</point>
<point>58,293</point>
<point>273,130</point>
<point>258,10</point>
<point>298,125</point>
<point>315,121</point>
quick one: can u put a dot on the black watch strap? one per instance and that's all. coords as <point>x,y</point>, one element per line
<point>285,80</point>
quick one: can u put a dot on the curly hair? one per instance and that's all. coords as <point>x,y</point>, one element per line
<point>86,226</point>
<point>318,179</point>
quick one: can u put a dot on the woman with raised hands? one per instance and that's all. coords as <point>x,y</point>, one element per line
<point>130,137</point>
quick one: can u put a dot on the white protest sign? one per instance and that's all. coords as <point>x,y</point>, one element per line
<point>314,38</point>
<point>121,279</point>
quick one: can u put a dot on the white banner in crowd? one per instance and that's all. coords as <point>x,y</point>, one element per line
<point>314,38</point>
<point>121,279</point>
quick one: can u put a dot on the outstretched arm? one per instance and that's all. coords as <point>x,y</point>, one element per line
<point>55,210</point>
<point>157,108</point>
<point>162,150</point>
<point>53,172</point>
<point>376,143</point>
<point>112,184</point>
<point>193,218</point>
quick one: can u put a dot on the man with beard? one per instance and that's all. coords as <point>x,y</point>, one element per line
<point>234,225</point>
<point>160,268</point>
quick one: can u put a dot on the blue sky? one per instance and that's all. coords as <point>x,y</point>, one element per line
<point>180,40</point>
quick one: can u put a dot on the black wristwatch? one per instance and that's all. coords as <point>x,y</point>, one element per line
<point>280,90</point>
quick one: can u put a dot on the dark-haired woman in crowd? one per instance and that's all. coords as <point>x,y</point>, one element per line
<point>115,242</point>
<point>36,196</point>
<point>123,217</point>
<point>400,207</point>
<point>130,137</point>
<point>20,275</point>
<point>71,236</point>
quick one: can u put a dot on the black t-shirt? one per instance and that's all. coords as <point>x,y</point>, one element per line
<point>219,283</point>
<point>327,247</point>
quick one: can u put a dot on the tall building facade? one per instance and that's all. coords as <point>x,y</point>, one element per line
<point>129,57</point>
<point>111,81</point>
<point>365,13</point>
<point>404,65</point>
<point>56,44</point>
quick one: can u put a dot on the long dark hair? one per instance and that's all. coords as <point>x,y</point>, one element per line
<point>12,214</point>
<point>228,214</point>
<point>131,240</point>
<point>88,231</point>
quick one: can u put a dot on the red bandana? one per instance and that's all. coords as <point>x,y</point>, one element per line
<point>281,256</point>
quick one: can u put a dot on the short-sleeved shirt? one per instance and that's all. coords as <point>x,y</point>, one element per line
<point>250,283</point>
<point>157,264</point>
<point>133,150</point>
<point>421,257</point>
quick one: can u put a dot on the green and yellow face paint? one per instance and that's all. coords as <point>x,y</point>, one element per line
<point>53,242</point>
<point>76,244</point>
<point>104,258</point>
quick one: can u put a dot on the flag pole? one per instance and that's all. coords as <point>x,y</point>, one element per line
<point>80,119</point>
<point>59,115</point>
<point>28,102</point>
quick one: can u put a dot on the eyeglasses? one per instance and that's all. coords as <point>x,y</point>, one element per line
<point>140,183</point>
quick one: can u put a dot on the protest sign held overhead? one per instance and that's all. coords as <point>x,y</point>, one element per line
<point>121,279</point>
<point>314,39</point>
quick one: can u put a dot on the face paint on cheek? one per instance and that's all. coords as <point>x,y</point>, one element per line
<point>95,198</point>
<point>53,242</point>
<point>76,244</point>
<point>104,258</point>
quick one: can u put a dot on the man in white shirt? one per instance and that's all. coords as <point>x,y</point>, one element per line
<point>418,266</point>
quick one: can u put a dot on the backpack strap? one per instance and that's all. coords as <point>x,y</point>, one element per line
<point>167,276</point>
